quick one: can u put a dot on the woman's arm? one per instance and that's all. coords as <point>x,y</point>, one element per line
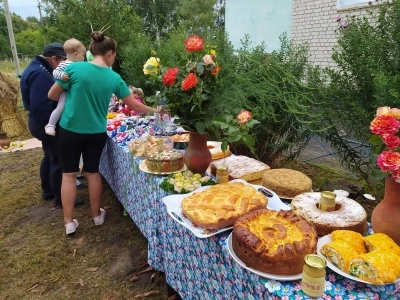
<point>55,92</point>
<point>137,106</point>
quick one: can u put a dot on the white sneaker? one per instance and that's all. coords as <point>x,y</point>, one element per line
<point>50,129</point>
<point>71,227</point>
<point>99,220</point>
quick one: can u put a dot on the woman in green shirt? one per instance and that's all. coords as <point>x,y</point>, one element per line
<point>83,122</point>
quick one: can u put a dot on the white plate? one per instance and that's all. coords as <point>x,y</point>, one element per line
<point>143,167</point>
<point>326,239</point>
<point>259,273</point>
<point>174,209</point>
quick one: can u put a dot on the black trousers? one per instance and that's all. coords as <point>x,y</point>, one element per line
<point>50,167</point>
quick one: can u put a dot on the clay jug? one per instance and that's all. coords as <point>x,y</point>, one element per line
<point>4,140</point>
<point>197,155</point>
<point>386,215</point>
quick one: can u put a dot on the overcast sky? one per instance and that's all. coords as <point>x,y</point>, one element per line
<point>24,8</point>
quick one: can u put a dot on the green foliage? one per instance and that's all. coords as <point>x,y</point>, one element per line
<point>368,73</point>
<point>271,85</point>
<point>76,18</point>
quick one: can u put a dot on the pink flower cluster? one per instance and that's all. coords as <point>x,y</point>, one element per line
<point>386,125</point>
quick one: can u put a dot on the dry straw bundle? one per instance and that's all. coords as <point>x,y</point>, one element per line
<point>10,120</point>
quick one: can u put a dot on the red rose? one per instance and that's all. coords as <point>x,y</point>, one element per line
<point>391,141</point>
<point>194,43</point>
<point>384,125</point>
<point>189,82</point>
<point>216,70</point>
<point>169,77</point>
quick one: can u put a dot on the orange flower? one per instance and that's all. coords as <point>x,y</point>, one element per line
<point>384,125</point>
<point>169,77</point>
<point>189,82</point>
<point>216,70</point>
<point>243,117</point>
<point>194,43</point>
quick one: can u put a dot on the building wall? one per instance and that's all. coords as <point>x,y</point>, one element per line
<point>314,22</point>
<point>262,20</point>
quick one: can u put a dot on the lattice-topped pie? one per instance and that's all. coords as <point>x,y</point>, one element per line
<point>222,204</point>
<point>274,242</point>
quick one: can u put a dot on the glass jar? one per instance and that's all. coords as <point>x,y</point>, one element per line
<point>327,201</point>
<point>313,277</point>
<point>222,173</point>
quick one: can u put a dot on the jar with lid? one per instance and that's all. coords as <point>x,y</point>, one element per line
<point>222,173</point>
<point>327,201</point>
<point>313,277</point>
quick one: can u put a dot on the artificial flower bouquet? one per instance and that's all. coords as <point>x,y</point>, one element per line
<point>385,141</point>
<point>184,182</point>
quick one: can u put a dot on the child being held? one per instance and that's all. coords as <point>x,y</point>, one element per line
<point>138,95</point>
<point>75,51</point>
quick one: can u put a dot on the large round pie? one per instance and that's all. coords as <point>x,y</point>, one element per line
<point>222,204</point>
<point>274,242</point>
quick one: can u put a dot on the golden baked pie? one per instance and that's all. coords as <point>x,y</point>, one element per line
<point>274,242</point>
<point>222,204</point>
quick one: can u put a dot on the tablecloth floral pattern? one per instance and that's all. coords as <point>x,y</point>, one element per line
<point>203,268</point>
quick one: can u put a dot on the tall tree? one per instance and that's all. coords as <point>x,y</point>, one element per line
<point>159,16</point>
<point>197,17</point>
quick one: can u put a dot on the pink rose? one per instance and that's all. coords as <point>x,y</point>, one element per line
<point>391,141</point>
<point>208,60</point>
<point>243,117</point>
<point>384,125</point>
<point>389,161</point>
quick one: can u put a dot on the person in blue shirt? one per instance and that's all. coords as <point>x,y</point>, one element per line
<point>35,83</point>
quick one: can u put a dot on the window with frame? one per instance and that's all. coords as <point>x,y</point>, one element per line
<point>346,4</point>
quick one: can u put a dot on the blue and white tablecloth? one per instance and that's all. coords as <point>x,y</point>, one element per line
<point>203,268</point>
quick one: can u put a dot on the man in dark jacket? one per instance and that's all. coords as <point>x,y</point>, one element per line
<point>36,81</point>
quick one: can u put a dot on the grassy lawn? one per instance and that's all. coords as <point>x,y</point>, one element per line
<point>38,261</point>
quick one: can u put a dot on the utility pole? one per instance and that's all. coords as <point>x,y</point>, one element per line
<point>41,21</point>
<point>11,36</point>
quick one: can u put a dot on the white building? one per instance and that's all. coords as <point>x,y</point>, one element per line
<point>305,21</point>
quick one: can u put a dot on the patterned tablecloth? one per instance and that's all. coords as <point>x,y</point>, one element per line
<point>203,268</point>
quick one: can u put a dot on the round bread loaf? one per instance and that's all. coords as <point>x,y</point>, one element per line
<point>287,183</point>
<point>274,242</point>
<point>348,214</point>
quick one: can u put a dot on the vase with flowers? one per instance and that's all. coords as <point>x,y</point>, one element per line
<point>190,86</point>
<point>386,148</point>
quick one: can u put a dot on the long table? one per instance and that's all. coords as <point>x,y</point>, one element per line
<point>203,268</point>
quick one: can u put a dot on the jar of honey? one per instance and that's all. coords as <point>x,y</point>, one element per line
<point>222,173</point>
<point>313,277</point>
<point>327,201</point>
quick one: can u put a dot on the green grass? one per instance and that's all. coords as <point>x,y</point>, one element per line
<point>8,67</point>
<point>38,261</point>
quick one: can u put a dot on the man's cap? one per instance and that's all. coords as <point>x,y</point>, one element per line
<point>54,49</point>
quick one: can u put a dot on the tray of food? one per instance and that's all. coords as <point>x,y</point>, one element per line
<point>206,213</point>
<point>374,259</point>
